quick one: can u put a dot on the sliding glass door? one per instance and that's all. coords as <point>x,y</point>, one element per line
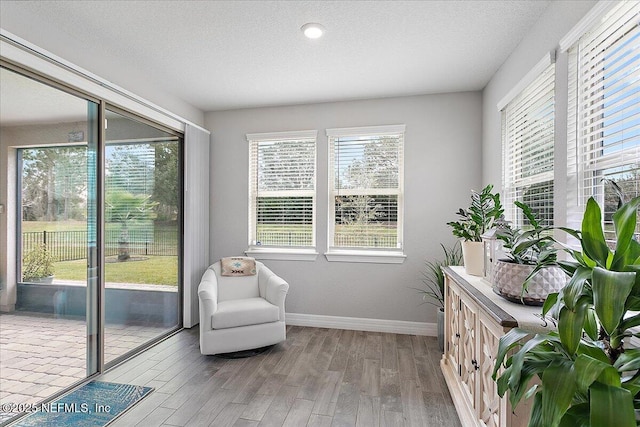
<point>142,233</point>
<point>93,228</point>
<point>48,342</point>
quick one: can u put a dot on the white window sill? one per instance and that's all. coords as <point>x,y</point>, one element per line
<point>376,257</point>
<point>282,254</point>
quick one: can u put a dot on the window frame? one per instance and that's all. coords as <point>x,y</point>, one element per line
<point>587,114</point>
<point>522,100</point>
<point>365,254</point>
<point>277,252</point>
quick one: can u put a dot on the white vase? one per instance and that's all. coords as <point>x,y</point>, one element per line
<point>508,278</point>
<point>473,255</point>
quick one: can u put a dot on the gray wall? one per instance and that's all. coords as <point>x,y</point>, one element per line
<point>557,20</point>
<point>442,163</point>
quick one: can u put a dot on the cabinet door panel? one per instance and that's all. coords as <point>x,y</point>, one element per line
<point>452,333</point>
<point>468,362</point>
<point>491,409</point>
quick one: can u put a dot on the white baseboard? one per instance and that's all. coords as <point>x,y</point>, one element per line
<point>362,324</point>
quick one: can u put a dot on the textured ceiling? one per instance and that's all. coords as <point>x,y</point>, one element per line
<point>218,55</point>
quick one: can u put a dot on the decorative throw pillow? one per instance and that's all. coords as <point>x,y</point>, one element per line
<point>238,266</point>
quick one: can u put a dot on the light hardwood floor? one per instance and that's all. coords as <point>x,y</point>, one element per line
<point>318,377</point>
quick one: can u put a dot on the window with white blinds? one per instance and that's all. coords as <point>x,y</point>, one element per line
<point>366,187</point>
<point>528,149</point>
<point>282,189</point>
<point>604,113</point>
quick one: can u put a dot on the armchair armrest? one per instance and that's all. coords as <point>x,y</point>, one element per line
<point>273,288</point>
<point>208,297</point>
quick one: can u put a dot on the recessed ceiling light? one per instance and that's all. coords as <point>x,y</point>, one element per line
<point>312,30</point>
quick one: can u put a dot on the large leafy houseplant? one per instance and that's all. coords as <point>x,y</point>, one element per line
<point>586,375</point>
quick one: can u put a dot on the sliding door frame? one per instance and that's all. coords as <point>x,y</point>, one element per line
<point>133,116</point>
<point>96,294</point>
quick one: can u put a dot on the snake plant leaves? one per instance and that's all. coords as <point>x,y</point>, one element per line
<point>610,292</point>
<point>611,406</point>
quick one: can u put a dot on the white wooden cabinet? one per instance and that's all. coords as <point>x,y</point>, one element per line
<point>473,327</point>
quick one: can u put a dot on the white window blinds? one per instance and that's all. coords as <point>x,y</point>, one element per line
<point>604,113</point>
<point>282,193</point>
<point>366,187</point>
<point>528,149</point>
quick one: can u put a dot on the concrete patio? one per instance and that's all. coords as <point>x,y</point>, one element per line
<point>41,355</point>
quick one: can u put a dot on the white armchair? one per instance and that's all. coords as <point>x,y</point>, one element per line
<point>241,313</point>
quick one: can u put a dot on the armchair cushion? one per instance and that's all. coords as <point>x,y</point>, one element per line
<point>244,312</point>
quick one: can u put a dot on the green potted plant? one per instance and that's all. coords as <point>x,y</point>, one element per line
<point>473,222</point>
<point>586,375</point>
<point>433,280</point>
<point>530,272</point>
<point>37,265</point>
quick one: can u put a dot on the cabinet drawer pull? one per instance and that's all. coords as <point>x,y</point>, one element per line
<point>474,362</point>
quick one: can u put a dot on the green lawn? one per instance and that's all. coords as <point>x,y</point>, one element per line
<point>156,270</point>
<point>28,226</point>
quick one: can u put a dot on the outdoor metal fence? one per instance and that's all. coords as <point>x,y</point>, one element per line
<point>72,245</point>
<point>346,239</point>
<point>355,240</point>
<point>285,238</point>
